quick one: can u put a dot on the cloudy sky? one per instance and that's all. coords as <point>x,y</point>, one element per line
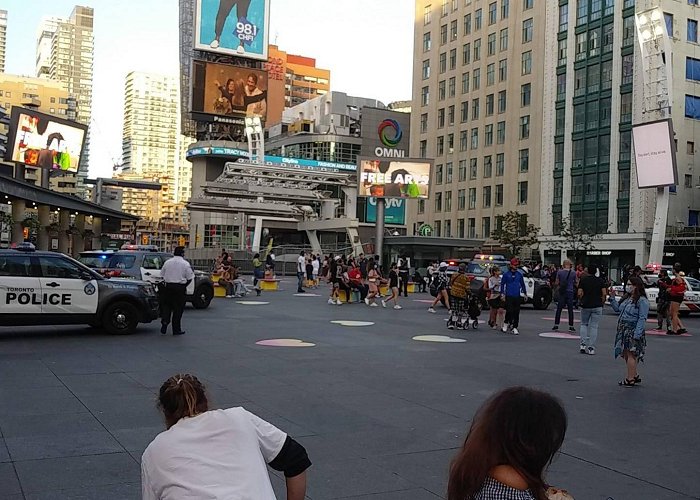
<point>367,45</point>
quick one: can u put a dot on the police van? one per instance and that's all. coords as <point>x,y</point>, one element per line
<point>49,288</point>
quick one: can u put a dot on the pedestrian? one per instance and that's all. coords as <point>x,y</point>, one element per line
<point>459,292</point>
<point>226,277</point>
<point>512,285</point>
<point>270,263</point>
<point>258,273</point>
<point>663,303</point>
<point>335,276</point>
<point>592,292</point>
<point>373,280</point>
<point>438,288</point>
<point>418,281</point>
<point>362,264</point>
<point>513,437</point>
<point>580,272</point>
<point>309,268</point>
<point>495,298</point>
<point>355,280</point>
<point>315,267</point>
<point>566,279</point>
<point>239,289</point>
<point>404,269</point>
<point>630,341</point>
<point>301,272</point>
<point>393,286</point>
<point>177,274</point>
<point>676,295</point>
<point>207,453</point>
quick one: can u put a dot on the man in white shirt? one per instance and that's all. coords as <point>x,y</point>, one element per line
<point>301,271</point>
<point>177,274</point>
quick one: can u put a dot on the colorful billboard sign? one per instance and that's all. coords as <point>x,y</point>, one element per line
<point>404,178</point>
<point>385,133</point>
<point>655,154</point>
<point>233,27</point>
<point>394,211</point>
<point>325,166</point>
<point>44,141</point>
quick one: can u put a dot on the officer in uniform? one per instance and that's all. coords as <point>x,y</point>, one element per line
<point>177,274</point>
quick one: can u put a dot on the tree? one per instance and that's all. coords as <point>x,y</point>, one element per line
<point>514,232</point>
<point>576,238</point>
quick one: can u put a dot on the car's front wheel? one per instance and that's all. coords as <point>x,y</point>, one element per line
<point>542,299</point>
<point>202,297</point>
<point>120,318</point>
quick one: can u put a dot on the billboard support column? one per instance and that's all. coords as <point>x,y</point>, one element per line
<point>19,207</point>
<point>63,226</point>
<point>379,240</point>
<point>43,239</point>
<point>96,233</point>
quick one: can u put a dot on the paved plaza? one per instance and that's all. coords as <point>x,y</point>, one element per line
<point>381,414</point>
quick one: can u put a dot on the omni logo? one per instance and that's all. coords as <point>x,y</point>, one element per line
<point>390,134</point>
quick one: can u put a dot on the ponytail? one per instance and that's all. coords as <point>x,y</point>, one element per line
<point>182,395</point>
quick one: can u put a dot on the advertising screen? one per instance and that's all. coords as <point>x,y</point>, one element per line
<point>229,91</point>
<point>394,212</point>
<point>232,27</point>
<point>404,178</point>
<point>44,141</point>
<point>654,154</point>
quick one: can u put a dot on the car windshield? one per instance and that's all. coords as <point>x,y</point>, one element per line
<point>94,260</point>
<point>694,284</point>
<point>482,268</point>
<point>121,262</point>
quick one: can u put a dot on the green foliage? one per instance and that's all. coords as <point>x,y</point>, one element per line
<point>514,232</point>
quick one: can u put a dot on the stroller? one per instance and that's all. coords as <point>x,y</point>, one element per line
<point>473,311</point>
<point>465,312</point>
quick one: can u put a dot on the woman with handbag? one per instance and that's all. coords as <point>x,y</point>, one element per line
<point>630,341</point>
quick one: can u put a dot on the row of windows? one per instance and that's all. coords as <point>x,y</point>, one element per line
<point>493,9</point>
<point>445,173</point>
<point>472,140</point>
<point>467,199</point>
<point>444,228</point>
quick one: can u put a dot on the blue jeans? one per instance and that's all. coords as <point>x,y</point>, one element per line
<point>590,318</point>
<point>568,301</point>
<point>300,278</point>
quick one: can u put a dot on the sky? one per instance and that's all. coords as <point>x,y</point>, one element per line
<point>367,45</point>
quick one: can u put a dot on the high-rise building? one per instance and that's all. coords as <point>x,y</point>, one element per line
<point>3,38</point>
<point>592,100</point>
<point>68,58</point>
<point>45,96</point>
<point>478,72</point>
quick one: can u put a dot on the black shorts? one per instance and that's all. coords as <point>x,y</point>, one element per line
<point>495,303</point>
<point>675,298</point>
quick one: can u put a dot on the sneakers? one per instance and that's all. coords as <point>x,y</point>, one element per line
<point>229,296</point>
<point>373,304</point>
<point>505,328</point>
<point>338,303</point>
<point>572,329</point>
<point>214,44</point>
<point>515,331</point>
<point>383,303</point>
<point>331,302</point>
<point>398,307</point>
<point>450,326</point>
<point>431,310</point>
<point>582,348</point>
<point>367,301</point>
<point>555,328</point>
<point>591,351</point>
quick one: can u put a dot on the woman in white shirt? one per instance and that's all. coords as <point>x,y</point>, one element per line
<point>216,453</point>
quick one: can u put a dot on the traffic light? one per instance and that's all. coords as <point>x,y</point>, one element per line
<point>144,239</point>
<point>181,241</point>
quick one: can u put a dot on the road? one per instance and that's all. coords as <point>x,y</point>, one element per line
<point>380,413</point>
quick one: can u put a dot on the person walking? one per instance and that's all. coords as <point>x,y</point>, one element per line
<point>663,304</point>
<point>258,273</point>
<point>335,274</point>
<point>301,272</point>
<point>676,296</point>
<point>393,286</point>
<point>592,291</point>
<point>495,298</point>
<point>565,281</point>
<point>315,267</point>
<point>512,285</point>
<point>177,274</point>
<point>208,453</point>
<point>438,288</point>
<point>404,268</point>
<point>373,280</point>
<point>460,290</point>
<point>630,340</point>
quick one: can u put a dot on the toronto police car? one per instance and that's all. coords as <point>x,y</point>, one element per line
<point>691,296</point>
<point>49,288</point>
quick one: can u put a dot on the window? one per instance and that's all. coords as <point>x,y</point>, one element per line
<point>628,29</point>
<point>692,69</point>
<point>425,96</point>
<point>488,135</point>
<point>609,7</point>
<point>451,115</point>
<point>488,167</point>
<point>559,156</point>
<point>443,34</point>
<point>502,70</point>
<point>605,111</point>
<point>473,169</point>
<point>476,79</point>
<point>559,121</point>
<point>627,69</point>
<point>669,23</point>
<point>464,112</point>
<point>525,127</point>
<point>438,202</point>
<point>526,66</point>
<point>426,42</point>
<point>475,138</point>
<point>475,109</point>
<point>593,78</point>
<point>468,24</point>
<point>623,184</point>
<point>692,107</point>
<point>500,164</point>
<point>493,13</point>
<point>596,8</point>
<point>465,82</point>
<point>688,181</point>
<point>528,4</point>
<point>581,12</point>
<point>453,30</point>
<point>690,148</point>
<point>424,123</point>
<point>448,229</point>
<point>594,43</point>
<point>522,193</point>
<point>461,199</point>
<point>491,44</point>
<point>525,93</point>
<point>499,195</point>
<point>472,198</point>
<point>501,133</point>
<point>443,62</point>
<point>524,160</point>
<point>608,38</point>
<point>18,266</point>
<point>463,140</point>
<point>438,228</point>
<point>580,82</point>
<point>440,149</point>
<point>606,70</point>
<point>466,53</point>
<point>561,86</point>
<point>471,228</point>
<point>489,105</point>
<point>423,149</point>
<point>441,90</point>
<point>558,191</point>
<point>581,45</point>
<point>563,17</point>
<point>692,31</point>
<point>441,118</point>
<point>486,196</point>
<point>477,20</point>
<point>477,50</point>
<point>426,69</point>
<point>462,170</point>
<point>451,87</point>
<point>504,40</point>
<point>490,74</point>
<point>444,8</point>
<point>152,262</point>
<point>448,201</point>
<point>527,30</point>
<point>626,108</point>
<point>625,145</point>
<point>505,7</point>
<point>561,52</point>
<point>450,143</point>
<point>438,174</point>
<point>592,115</point>
<point>460,228</point>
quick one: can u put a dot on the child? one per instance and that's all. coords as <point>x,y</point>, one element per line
<point>393,286</point>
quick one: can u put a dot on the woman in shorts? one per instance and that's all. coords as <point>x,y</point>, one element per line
<point>373,281</point>
<point>393,286</point>
<point>493,290</point>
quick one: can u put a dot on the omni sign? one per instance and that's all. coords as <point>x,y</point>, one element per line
<point>390,135</point>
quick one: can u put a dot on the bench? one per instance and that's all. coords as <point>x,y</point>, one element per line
<point>343,294</point>
<point>269,284</point>
<point>219,291</point>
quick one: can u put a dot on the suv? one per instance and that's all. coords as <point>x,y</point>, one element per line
<point>49,288</point>
<point>144,263</point>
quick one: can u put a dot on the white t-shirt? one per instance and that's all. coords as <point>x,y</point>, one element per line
<point>218,454</point>
<point>315,265</point>
<point>301,264</point>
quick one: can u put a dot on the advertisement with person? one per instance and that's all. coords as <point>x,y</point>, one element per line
<point>43,141</point>
<point>224,90</point>
<point>233,27</point>
<point>403,178</point>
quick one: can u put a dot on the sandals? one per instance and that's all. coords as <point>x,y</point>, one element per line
<point>637,379</point>
<point>627,383</point>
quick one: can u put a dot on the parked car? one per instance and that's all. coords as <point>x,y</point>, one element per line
<point>145,264</point>
<point>691,297</point>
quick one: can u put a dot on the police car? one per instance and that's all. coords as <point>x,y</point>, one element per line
<point>691,297</point>
<point>49,288</point>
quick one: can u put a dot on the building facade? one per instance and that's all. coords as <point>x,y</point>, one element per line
<point>3,39</point>
<point>477,103</point>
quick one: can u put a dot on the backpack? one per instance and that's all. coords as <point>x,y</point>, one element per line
<point>434,281</point>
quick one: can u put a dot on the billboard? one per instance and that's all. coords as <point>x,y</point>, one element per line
<point>394,178</point>
<point>227,94</point>
<point>394,211</point>
<point>385,133</point>
<point>232,27</point>
<point>655,154</point>
<point>44,141</point>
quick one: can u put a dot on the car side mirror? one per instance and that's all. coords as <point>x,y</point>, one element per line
<point>86,276</point>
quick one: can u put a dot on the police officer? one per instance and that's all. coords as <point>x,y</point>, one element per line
<point>177,274</point>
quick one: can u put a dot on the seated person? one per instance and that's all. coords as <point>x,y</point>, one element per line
<point>226,278</point>
<point>419,281</point>
<point>239,289</point>
<point>355,281</point>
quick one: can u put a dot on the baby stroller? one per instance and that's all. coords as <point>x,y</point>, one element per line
<point>473,311</point>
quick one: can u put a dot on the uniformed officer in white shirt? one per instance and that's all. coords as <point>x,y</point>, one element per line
<point>177,274</point>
